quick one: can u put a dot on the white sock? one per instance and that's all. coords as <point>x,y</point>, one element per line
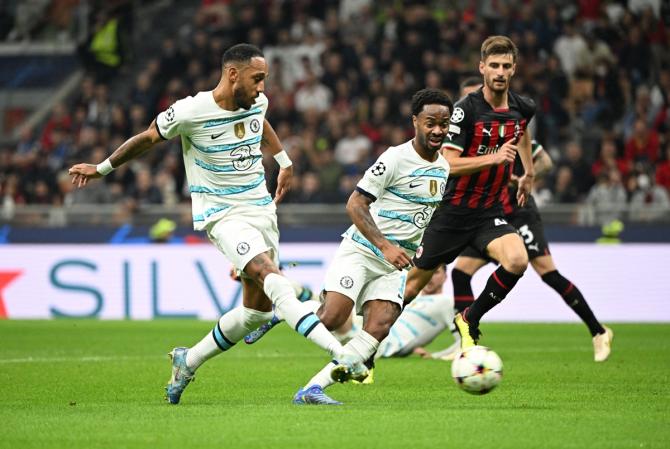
<point>299,315</point>
<point>359,349</point>
<point>230,329</point>
<point>322,378</point>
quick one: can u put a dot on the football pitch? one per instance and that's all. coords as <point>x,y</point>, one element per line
<point>95,384</point>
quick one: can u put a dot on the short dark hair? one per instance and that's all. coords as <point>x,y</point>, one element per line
<point>499,45</point>
<point>241,53</point>
<point>471,81</point>
<point>430,96</point>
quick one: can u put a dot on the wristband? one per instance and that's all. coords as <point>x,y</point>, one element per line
<point>104,167</point>
<point>283,159</point>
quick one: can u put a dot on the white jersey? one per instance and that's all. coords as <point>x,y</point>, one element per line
<point>407,189</point>
<point>222,156</point>
<point>419,323</point>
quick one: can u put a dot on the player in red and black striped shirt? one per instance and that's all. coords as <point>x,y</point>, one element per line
<point>486,131</point>
<point>528,221</point>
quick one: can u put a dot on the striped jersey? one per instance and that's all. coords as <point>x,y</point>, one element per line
<point>222,156</point>
<point>419,323</point>
<point>406,190</point>
<point>477,129</point>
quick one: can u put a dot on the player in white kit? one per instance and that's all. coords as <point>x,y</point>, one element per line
<point>390,208</point>
<point>421,321</point>
<point>223,132</point>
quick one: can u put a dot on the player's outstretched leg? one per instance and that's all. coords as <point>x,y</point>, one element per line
<point>602,339</point>
<point>230,328</point>
<point>299,315</point>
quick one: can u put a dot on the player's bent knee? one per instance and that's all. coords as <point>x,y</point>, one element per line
<point>517,263</point>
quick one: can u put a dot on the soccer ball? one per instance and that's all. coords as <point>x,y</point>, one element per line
<point>477,370</point>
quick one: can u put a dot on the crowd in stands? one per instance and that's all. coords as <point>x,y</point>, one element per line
<point>341,77</point>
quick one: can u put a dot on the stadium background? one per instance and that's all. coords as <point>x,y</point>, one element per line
<point>77,77</point>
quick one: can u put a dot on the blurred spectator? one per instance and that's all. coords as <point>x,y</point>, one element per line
<point>579,167</point>
<point>649,201</point>
<point>353,150</point>
<point>643,144</point>
<point>608,159</point>
<point>342,74</point>
<point>663,170</point>
<point>607,199</point>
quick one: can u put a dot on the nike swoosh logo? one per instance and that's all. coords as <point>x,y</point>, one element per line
<point>412,185</point>
<point>216,136</point>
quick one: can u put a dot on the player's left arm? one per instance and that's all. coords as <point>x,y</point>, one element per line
<point>526,181</point>
<point>271,143</point>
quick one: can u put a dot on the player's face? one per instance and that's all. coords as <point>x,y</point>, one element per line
<point>497,71</point>
<point>250,82</point>
<point>431,126</point>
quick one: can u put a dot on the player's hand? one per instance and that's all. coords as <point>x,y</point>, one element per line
<point>506,154</point>
<point>523,192</point>
<point>513,180</point>
<point>81,173</point>
<point>421,352</point>
<point>283,183</point>
<point>396,256</point>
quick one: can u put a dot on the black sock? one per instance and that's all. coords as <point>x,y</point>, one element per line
<point>497,287</point>
<point>463,296</point>
<point>573,298</point>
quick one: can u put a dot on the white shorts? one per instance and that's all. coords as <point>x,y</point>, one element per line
<point>364,277</point>
<point>241,238</point>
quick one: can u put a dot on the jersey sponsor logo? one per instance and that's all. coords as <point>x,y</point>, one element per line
<point>242,248</point>
<point>414,184</point>
<point>239,130</point>
<point>255,126</point>
<point>346,282</point>
<point>454,129</point>
<point>433,187</point>
<point>379,169</point>
<point>457,116</point>
<point>216,136</point>
<point>499,222</point>
<point>169,114</point>
<point>484,149</point>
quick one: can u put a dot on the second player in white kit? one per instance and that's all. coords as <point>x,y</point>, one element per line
<point>390,209</point>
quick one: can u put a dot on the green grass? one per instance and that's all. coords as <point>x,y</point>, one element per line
<point>90,384</point>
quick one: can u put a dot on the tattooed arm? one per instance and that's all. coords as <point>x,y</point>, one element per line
<point>130,149</point>
<point>358,208</point>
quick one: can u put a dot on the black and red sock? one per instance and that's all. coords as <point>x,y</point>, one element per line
<point>573,298</point>
<point>499,284</point>
<point>463,296</point>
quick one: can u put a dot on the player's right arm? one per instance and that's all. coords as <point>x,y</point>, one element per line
<point>130,149</point>
<point>372,186</point>
<point>358,208</point>
<point>461,125</point>
<point>467,165</point>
